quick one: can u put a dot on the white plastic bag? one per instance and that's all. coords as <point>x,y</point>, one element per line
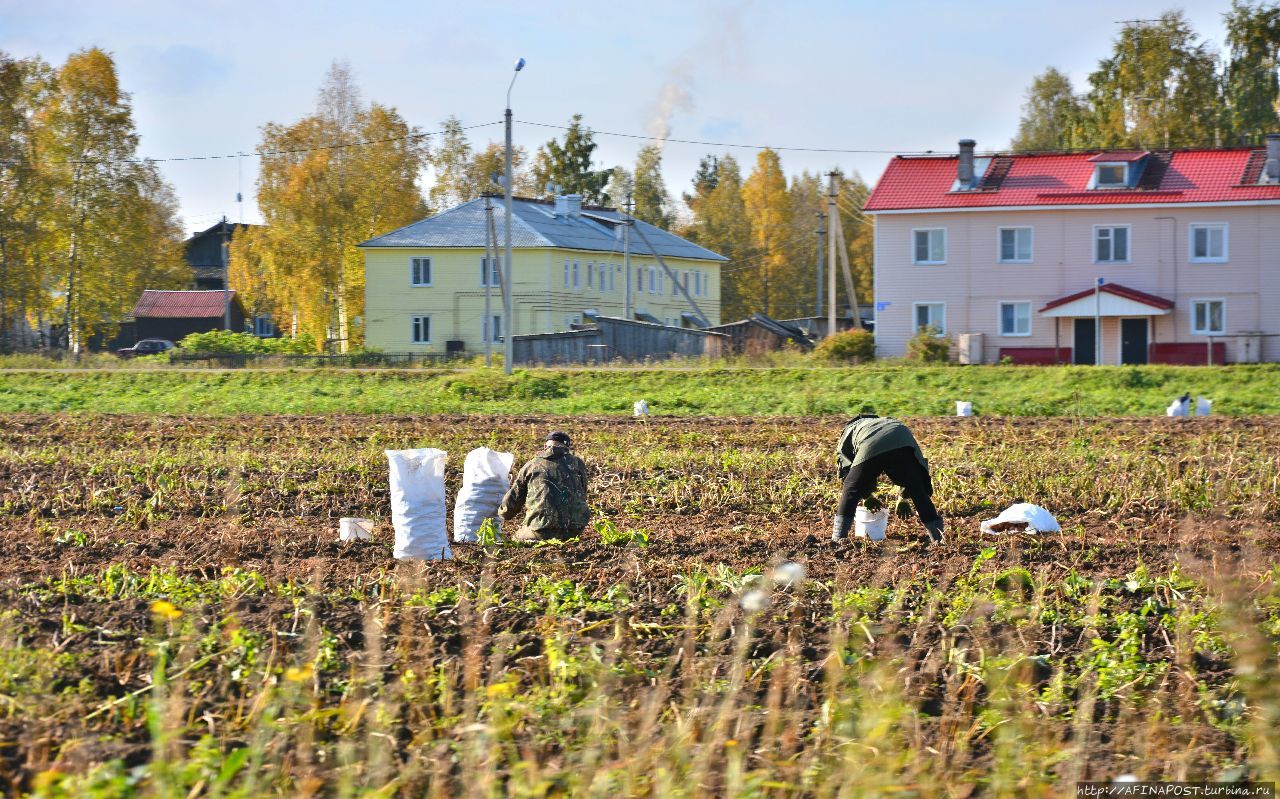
<point>1178,407</point>
<point>353,529</point>
<point>417,504</point>
<point>870,525</point>
<point>485,480</point>
<point>964,408</point>
<point>1022,517</point>
<point>1203,406</point>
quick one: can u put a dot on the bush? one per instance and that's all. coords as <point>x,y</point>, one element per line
<point>928,346</point>
<point>225,342</point>
<point>851,346</point>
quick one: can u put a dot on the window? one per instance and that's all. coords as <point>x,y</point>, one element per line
<point>930,246</point>
<point>576,276</point>
<point>495,325</point>
<point>421,332</point>
<point>1208,317</point>
<point>263,327</point>
<point>419,271</point>
<point>1015,245</point>
<point>566,273</point>
<point>601,285</point>
<point>653,280</point>
<point>1015,318</point>
<point>931,314</point>
<point>1111,245</point>
<point>1208,243</point>
<point>490,276</point>
<point>662,282</point>
<point>640,278</point>
<point>612,274</point>
<point>591,271</point>
<point>1112,176</point>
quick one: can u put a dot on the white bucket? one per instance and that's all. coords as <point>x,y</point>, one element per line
<point>870,525</point>
<point>352,529</point>
<point>964,408</point>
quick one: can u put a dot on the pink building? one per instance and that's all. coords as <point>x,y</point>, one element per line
<point>1086,257</point>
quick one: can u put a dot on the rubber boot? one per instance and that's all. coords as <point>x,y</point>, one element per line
<point>935,529</point>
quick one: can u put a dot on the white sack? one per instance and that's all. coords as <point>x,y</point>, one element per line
<point>353,529</point>
<point>1203,406</point>
<point>870,525</point>
<point>417,504</point>
<point>485,480</point>
<point>1178,407</point>
<point>964,408</point>
<point>1037,519</point>
<point>640,409</point>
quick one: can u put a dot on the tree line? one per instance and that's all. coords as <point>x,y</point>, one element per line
<point>1162,86</point>
<point>84,225</point>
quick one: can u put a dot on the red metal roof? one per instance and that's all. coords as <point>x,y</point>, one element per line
<point>1192,176</point>
<point>1119,291</point>
<point>181,304</point>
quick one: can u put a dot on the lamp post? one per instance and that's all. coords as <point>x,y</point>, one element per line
<point>508,348</point>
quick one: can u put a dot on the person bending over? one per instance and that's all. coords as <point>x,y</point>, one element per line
<point>552,490</point>
<point>869,447</point>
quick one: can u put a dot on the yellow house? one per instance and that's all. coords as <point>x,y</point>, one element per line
<point>425,283</point>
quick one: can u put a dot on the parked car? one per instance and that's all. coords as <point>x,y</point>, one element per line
<point>148,346</point>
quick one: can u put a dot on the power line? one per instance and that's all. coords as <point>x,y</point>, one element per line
<point>730,144</point>
<point>260,153</point>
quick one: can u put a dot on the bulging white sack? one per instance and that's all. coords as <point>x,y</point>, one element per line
<point>1020,517</point>
<point>1178,407</point>
<point>1203,406</point>
<point>640,409</point>
<point>417,504</point>
<point>485,480</point>
<point>964,408</point>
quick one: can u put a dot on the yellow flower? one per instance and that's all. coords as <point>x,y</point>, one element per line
<point>46,779</point>
<point>165,609</point>
<point>300,673</point>
<point>732,742</point>
<point>500,689</point>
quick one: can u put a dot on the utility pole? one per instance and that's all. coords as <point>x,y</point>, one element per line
<point>626,254</point>
<point>509,327</point>
<point>488,280</point>
<point>226,276</point>
<point>832,219</point>
<point>822,232</point>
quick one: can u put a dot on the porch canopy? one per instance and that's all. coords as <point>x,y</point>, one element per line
<point>1115,300</point>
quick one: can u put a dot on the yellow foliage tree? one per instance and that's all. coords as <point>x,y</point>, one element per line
<point>768,207</point>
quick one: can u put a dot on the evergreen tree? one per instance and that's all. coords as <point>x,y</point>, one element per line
<point>704,182</point>
<point>1050,115</point>
<point>569,164</point>
<point>651,197</point>
<point>1252,79</point>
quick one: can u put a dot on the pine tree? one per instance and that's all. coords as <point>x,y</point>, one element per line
<point>569,164</point>
<point>1051,114</point>
<point>704,182</point>
<point>1252,80</point>
<point>651,197</point>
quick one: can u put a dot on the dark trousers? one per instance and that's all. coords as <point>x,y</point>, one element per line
<point>904,469</point>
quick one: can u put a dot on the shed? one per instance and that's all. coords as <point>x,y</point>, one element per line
<point>173,315</point>
<point>615,339</point>
<point>759,334</point>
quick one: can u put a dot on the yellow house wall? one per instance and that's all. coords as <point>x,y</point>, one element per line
<point>542,302</point>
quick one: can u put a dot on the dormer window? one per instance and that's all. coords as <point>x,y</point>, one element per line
<point>1112,176</point>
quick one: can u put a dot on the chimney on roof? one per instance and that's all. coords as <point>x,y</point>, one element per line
<point>964,169</point>
<point>1271,167</point>
<point>568,205</point>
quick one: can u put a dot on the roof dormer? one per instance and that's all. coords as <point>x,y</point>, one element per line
<point>1116,170</point>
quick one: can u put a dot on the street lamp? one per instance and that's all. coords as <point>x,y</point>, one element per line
<point>508,348</point>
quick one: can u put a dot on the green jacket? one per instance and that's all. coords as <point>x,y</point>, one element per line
<point>552,489</point>
<point>865,437</point>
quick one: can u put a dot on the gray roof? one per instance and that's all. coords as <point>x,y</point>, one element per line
<point>533,224</point>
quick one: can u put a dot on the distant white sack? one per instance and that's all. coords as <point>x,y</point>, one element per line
<point>417,504</point>
<point>640,409</point>
<point>1203,406</point>
<point>964,408</point>
<point>1179,407</point>
<point>1022,517</point>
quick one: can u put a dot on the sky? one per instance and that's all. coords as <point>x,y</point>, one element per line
<point>900,76</point>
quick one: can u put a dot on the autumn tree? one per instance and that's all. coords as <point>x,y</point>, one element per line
<point>652,201</point>
<point>1159,88</point>
<point>344,174</point>
<point>768,207</point>
<point>1051,114</point>
<point>1252,76</point>
<point>454,164</point>
<point>721,224</point>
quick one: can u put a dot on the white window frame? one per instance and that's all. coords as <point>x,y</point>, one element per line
<point>1128,239</point>
<point>917,231</point>
<point>590,273</point>
<point>613,273</point>
<point>414,261</point>
<point>566,273</point>
<point>1000,318</point>
<point>1031,245</point>
<point>1226,242</point>
<point>490,274</point>
<point>653,280</point>
<point>1205,331</point>
<point>915,312</point>
<point>413,328</point>
<point>1124,175</point>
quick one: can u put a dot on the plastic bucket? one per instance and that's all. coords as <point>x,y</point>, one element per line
<point>352,529</point>
<point>870,525</point>
<point>964,408</point>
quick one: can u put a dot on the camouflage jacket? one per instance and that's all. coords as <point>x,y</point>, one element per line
<point>552,489</point>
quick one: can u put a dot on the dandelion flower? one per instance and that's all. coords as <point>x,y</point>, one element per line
<point>165,609</point>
